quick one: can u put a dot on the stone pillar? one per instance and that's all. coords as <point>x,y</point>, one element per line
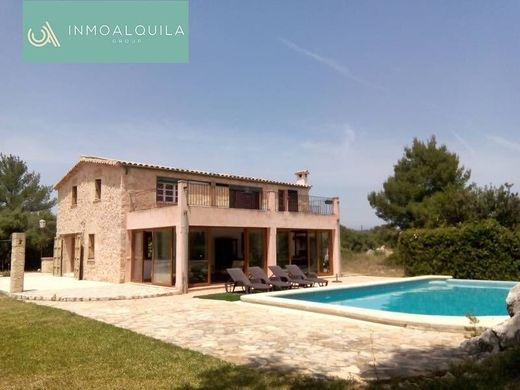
<point>181,239</point>
<point>336,240</point>
<point>271,246</point>
<point>17,262</point>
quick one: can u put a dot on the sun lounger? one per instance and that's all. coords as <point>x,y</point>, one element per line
<point>259,274</point>
<point>297,273</point>
<point>285,277</point>
<point>238,278</point>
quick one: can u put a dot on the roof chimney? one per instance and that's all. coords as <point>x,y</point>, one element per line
<point>302,177</point>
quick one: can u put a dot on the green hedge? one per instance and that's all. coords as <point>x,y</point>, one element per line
<point>483,250</point>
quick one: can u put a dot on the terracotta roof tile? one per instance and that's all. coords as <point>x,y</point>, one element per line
<point>114,162</point>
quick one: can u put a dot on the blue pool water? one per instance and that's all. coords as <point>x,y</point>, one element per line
<point>451,297</point>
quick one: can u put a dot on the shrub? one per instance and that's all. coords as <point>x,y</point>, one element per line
<point>353,240</point>
<point>481,250</point>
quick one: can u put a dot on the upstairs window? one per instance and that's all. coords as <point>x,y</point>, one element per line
<point>98,189</point>
<point>281,200</point>
<point>74,195</point>
<point>292,196</point>
<point>166,191</point>
<point>244,198</point>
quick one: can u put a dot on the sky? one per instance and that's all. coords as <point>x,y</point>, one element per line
<point>272,87</point>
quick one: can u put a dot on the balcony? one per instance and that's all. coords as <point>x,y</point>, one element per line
<point>315,205</point>
<point>205,195</point>
<point>231,197</point>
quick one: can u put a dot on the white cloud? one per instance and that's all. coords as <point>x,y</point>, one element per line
<point>464,143</point>
<point>331,63</point>
<point>501,141</point>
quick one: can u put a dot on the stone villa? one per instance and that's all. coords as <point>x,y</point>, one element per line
<point>122,221</point>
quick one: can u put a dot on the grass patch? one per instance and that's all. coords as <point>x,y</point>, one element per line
<point>42,347</point>
<point>498,371</point>
<point>376,265</point>
<point>230,297</point>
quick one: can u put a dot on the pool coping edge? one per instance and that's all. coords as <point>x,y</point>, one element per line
<point>456,324</point>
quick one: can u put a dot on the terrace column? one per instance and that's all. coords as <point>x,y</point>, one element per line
<point>271,201</point>
<point>17,262</point>
<point>336,244</point>
<point>271,246</point>
<point>181,239</point>
<point>129,250</point>
<point>271,232</point>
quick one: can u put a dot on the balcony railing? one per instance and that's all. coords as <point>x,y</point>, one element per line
<point>315,205</point>
<point>205,195</point>
<point>199,194</point>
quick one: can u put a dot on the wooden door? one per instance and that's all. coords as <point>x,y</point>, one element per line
<point>57,256</point>
<point>77,257</point>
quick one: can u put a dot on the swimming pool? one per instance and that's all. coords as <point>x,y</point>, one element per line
<point>433,302</point>
<point>449,297</point>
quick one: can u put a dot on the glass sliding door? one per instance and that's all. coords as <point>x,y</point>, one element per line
<point>147,256</point>
<point>198,270</point>
<point>163,257</point>
<point>282,248</point>
<point>324,255</point>
<point>313,252</point>
<point>228,251</point>
<point>256,248</point>
<point>300,250</point>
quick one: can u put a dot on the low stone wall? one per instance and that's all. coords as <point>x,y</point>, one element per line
<point>47,264</point>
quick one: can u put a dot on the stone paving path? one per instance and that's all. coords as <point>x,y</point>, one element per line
<point>38,286</point>
<point>278,338</point>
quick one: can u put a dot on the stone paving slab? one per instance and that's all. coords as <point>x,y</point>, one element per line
<point>45,287</point>
<point>279,338</point>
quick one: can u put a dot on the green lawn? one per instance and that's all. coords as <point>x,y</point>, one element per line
<point>500,371</point>
<point>42,347</point>
<point>225,296</point>
<point>45,348</point>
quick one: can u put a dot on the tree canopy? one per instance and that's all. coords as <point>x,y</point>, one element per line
<point>23,202</point>
<point>21,189</point>
<point>422,178</point>
<point>429,188</point>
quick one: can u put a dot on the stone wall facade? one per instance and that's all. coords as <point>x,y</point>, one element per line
<point>128,204</point>
<point>46,265</point>
<point>103,218</point>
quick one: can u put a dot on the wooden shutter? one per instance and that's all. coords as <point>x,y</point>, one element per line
<point>77,256</point>
<point>56,269</point>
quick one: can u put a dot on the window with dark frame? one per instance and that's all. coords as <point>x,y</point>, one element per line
<point>292,196</point>
<point>281,200</point>
<point>98,189</point>
<point>91,246</point>
<point>244,198</point>
<point>74,195</point>
<point>166,191</point>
